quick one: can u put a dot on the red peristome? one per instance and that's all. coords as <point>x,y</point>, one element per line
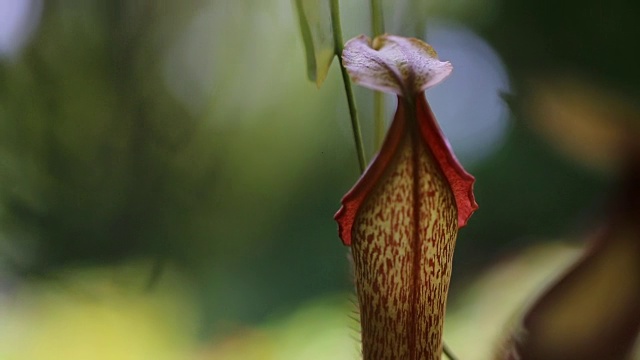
<point>460,181</point>
<point>354,199</point>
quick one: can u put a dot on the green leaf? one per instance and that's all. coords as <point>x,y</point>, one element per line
<point>317,34</point>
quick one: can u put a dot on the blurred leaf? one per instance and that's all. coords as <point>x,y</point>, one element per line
<point>317,34</point>
<point>593,311</point>
<point>410,17</point>
<point>477,315</point>
<point>318,330</point>
<point>583,118</point>
<point>100,313</point>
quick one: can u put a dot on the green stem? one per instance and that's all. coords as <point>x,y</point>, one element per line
<point>377,20</point>
<point>447,351</point>
<point>355,123</point>
<point>377,28</point>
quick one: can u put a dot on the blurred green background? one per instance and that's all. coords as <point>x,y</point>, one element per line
<point>168,175</point>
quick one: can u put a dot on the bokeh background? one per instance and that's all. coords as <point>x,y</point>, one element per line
<point>168,174</point>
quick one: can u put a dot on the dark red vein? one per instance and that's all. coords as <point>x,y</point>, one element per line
<point>415,244</point>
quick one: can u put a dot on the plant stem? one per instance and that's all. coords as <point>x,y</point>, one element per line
<point>448,353</point>
<point>377,20</point>
<point>377,28</point>
<point>355,123</point>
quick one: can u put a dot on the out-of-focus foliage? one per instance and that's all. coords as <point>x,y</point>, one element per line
<point>593,310</point>
<point>135,142</point>
<point>478,320</point>
<point>99,313</point>
<point>317,330</point>
<point>583,119</point>
<point>317,34</point>
<point>186,133</point>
